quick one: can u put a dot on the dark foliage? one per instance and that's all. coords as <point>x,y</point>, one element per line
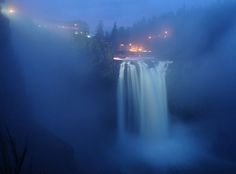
<point>12,159</point>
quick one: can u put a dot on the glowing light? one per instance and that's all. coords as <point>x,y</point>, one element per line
<point>89,36</point>
<point>11,10</point>
<point>165,34</point>
<point>149,37</point>
<point>138,49</point>
<point>122,45</point>
<point>117,58</point>
<point>76,32</point>
<point>133,49</point>
<point>133,58</point>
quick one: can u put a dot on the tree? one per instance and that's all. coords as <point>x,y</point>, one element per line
<point>114,37</point>
<point>102,52</point>
<point>100,31</point>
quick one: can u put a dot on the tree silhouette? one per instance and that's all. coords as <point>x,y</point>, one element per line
<point>100,31</point>
<point>114,36</point>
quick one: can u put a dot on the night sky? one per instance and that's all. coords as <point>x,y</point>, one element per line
<point>122,11</point>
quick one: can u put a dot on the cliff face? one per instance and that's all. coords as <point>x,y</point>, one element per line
<point>4,57</point>
<point>4,37</point>
<point>13,105</point>
<point>45,152</point>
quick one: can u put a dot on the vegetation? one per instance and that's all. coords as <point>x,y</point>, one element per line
<point>12,157</point>
<point>166,35</point>
<point>12,161</point>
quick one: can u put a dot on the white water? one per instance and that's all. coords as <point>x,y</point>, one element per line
<point>142,100</point>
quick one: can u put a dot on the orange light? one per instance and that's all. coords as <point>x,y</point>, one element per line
<point>134,49</point>
<point>138,49</point>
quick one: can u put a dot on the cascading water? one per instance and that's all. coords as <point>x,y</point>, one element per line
<point>142,100</point>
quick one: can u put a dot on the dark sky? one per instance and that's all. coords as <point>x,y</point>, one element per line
<point>122,11</point>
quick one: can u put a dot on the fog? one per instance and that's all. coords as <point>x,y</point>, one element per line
<point>94,10</point>
<point>59,86</point>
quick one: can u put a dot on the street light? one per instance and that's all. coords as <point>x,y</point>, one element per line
<point>11,10</point>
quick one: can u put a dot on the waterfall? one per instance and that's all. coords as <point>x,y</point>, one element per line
<point>142,100</point>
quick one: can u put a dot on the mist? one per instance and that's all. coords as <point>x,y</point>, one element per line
<point>98,87</point>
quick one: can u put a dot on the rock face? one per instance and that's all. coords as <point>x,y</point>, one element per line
<point>46,153</point>
<point>4,54</point>
<point>12,95</point>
